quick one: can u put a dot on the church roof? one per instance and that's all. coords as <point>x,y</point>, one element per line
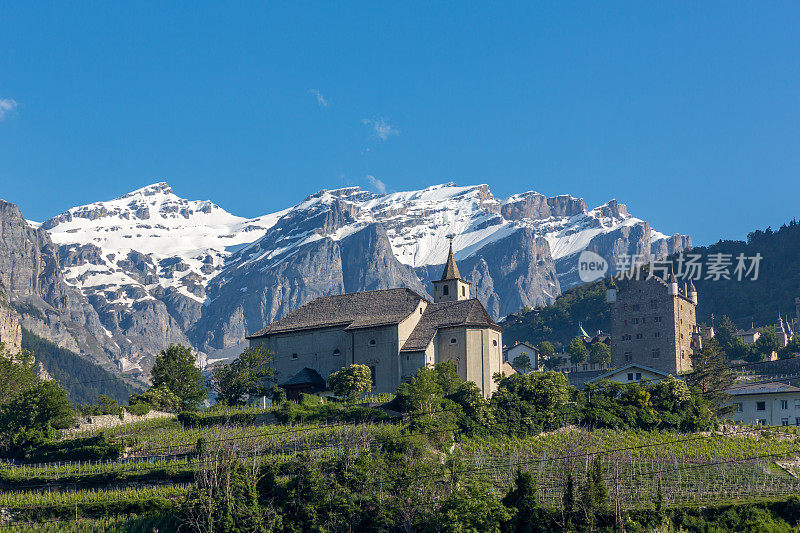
<point>353,310</point>
<point>451,268</point>
<point>447,314</point>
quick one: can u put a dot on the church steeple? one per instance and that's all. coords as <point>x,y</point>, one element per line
<point>451,268</point>
<point>451,288</point>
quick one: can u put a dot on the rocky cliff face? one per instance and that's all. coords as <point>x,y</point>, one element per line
<point>119,280</point>
<point>31,272</point>
<point>10,328</point>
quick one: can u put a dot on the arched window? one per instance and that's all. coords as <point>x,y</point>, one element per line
<point>336,351</point>
<point>446,290</point>
<point>372,342</point>
<point>463,291</point>
<point>294,356</point>
<point>494,342</point>
<point>453,340</point>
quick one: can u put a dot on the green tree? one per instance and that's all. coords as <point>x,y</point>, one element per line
<point>577,351</point>
<point>175,369</point>
<point>546,350</point>
<point>17,374</point>
<point>600,353</point>
<point>159,398</point>
<point>725,331</point>
<point>530,517</point>
<point>711,375</point>
<point>351,381</point>
<point>34,414</point>
<point>522,362</point>
<point>249,375</point>
<point>531,403</point>
<point>109,406</point>
<point>766,344</point>
<point>792,349</point>
<point>594,496</point>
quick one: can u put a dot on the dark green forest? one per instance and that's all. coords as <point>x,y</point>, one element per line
<point>84,381</point>
<point>746,302</point>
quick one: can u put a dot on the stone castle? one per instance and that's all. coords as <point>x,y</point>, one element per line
<point>653,323</point>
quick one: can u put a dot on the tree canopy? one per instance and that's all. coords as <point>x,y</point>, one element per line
<point>351,381</point>
<point>249,375</point>
<point>175,369</point>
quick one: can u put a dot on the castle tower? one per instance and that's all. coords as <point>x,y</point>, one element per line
<point>692,293</point>
<point>672,285</point>
<point>451,287</point>
<point>611,292</point>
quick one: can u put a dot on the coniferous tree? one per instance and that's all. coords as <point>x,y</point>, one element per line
<point>712,375</point>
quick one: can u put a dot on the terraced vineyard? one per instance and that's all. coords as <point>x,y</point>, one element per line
<point>161,461</point>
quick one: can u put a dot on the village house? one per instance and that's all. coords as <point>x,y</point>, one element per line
<point>522,348</point>
<point>394,332</point>
<point>768,404</point>
<point>631,373</point>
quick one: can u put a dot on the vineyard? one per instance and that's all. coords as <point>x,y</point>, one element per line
<point>162,458</point>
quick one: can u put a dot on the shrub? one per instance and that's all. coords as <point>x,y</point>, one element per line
<point>139,409</point>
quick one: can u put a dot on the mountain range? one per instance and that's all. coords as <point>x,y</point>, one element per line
<point>118,280</point>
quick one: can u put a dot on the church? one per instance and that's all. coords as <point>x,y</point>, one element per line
<point>393,331</point>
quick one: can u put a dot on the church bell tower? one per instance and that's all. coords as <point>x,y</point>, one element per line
<point>451,288</point>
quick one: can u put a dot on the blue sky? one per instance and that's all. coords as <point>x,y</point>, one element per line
<point>687,112</point>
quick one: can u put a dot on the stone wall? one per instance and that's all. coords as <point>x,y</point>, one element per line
<point>95,422</point>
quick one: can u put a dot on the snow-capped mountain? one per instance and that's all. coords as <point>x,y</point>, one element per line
<point>157,268</point>
<point>149,239</point>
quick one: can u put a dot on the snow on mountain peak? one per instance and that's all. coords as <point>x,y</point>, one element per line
<point>149,240</point>
<point>146,239</point>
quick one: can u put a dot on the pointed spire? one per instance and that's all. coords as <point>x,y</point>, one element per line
<point>691,286</point>
<point>672,278</point>
<point>451,268</point>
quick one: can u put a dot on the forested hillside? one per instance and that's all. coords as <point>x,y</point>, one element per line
<point>84,381</point>
<point>749,301</point>
<point>561,321</point>
<point>755,301</point>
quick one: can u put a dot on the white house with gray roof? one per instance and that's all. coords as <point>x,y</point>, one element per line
<point>768,404</point>
<point>393,331</point>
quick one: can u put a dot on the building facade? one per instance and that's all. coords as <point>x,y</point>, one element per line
<point>768,404</point>
<point>631,373</point>
<point>394,332</point>
<point>522,348</point>
<point>653,323</point>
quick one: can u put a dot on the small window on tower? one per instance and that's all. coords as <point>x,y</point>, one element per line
<point>494,342</point>
<point>453,340</point>
<point>294,356</point>
<point>336,351</point>
<point>372,342</point>
<point>463,291</point>
<point>446,290</point>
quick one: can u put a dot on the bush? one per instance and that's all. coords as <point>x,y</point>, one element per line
<point>84,449</point>
<point>139,409</point>
<point>190,419</point>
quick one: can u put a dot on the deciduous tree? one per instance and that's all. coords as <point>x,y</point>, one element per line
<point>175,369</point>
<point>249,375</point>
<point>351,382</point>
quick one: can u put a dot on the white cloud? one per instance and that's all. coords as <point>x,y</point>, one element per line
<point>377,184</point>
<point>381,128</point>
<point>7,105</point>
<point>320,99</point>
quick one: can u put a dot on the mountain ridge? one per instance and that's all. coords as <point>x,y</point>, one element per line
<point>155,268</point>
